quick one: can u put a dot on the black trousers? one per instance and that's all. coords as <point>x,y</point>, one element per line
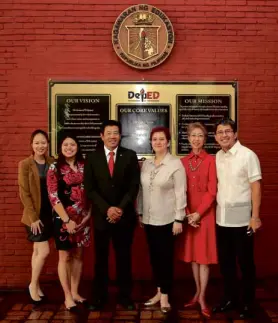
<point>161,246</point>
<point>122,238</point>
<point>234,245</point>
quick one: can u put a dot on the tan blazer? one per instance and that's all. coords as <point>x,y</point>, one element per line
<point>29,189</point>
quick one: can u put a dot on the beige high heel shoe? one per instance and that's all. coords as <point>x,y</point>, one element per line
<point>166,309</point>
<point>151,302</point>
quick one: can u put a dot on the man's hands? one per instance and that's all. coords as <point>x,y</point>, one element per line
<point>255,223</point>
<point>114,214</point>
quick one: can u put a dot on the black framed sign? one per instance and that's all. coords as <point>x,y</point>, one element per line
<point>137,122</point>
<point>81,106</point>
<point>202,108</point>
<point>82,116</point>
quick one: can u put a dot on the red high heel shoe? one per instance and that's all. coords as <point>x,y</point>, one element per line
<point>206,312</point>
<point>192,303</point>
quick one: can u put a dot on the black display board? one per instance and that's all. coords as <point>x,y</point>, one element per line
<point>207,109</point>
<point>82,116</point>
<point>137,122</point>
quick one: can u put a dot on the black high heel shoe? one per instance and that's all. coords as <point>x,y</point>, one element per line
<point>82,302</point>
<point>72,309</point>
<point>44,299</point>
<point>32,300</point>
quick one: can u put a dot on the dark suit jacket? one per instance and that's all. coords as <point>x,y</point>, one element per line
<point>105,191</point>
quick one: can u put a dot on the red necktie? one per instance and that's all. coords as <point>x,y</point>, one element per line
<point>111,162</point>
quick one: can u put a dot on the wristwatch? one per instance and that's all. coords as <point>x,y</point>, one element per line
<point>178,221</point>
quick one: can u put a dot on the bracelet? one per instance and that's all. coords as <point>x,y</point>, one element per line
<point>179,221</point>
<point>66,222</point>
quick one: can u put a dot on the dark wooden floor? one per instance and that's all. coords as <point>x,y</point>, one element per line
<point>16,307</point>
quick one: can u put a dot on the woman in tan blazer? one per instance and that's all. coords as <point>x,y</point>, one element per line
<point>37,213</point>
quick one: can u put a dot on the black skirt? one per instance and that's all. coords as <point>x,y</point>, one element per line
<point>45,235</point>
<point>45,217</point>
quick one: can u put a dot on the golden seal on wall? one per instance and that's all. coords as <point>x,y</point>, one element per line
<point>143,36</point>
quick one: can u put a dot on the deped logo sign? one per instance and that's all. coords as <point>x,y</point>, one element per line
<point>143,95</point>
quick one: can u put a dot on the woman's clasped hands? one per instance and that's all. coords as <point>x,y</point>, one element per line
<point>83,223</point>
<point>194,219</point>
<point>71,227</point>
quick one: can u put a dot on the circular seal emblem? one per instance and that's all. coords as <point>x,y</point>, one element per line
<point>143,36</point>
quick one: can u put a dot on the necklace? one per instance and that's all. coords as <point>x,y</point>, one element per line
<point>192,168</point>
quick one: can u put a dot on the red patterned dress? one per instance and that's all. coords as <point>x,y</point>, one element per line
<point>66,186</point>
<point>199,244</point>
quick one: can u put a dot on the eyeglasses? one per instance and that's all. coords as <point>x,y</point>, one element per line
<point>197,136</point>
<point>225,132</point>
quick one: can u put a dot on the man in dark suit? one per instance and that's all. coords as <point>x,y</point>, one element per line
<point>112,178</point>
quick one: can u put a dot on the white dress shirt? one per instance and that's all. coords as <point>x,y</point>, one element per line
<point>107,153</point>
<point>162,196</point>
<point>236,170</point>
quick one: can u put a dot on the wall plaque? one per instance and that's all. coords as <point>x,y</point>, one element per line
<point>80,107</point>
<point>137,122</point>
<point>82,116</point>
<point>143,36</point>
<point>203,108</point>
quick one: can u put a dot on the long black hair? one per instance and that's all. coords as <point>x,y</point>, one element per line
<point>61,160</point>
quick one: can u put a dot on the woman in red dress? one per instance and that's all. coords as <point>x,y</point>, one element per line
<point>199,245</point>
<point>71,216</point>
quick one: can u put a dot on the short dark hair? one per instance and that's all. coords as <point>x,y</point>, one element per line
<point>161,129</point>
<point>111,123</point>
<point>36,132</point>
<point>226,122</point>
<point>61,160</point>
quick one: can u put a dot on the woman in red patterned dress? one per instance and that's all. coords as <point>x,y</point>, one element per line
<point>71,216</point>
<point>199,245</point>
